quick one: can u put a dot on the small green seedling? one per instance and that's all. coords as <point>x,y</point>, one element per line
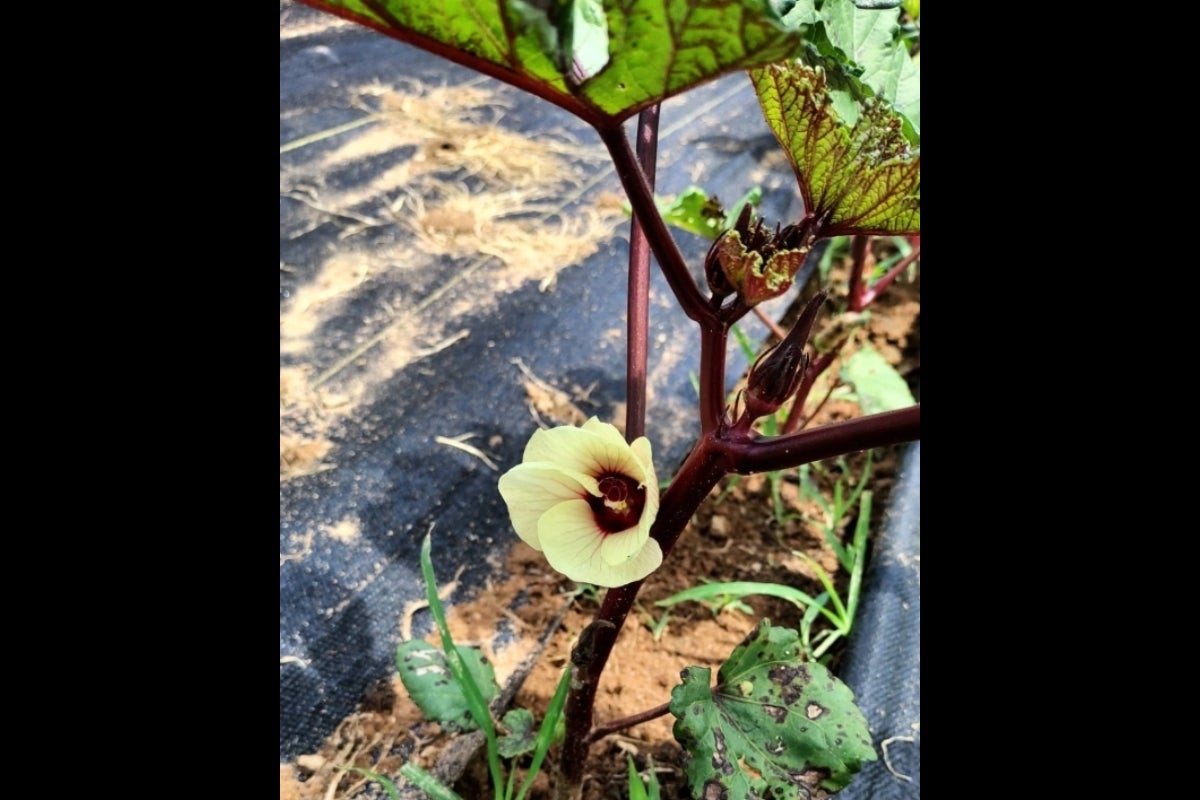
<point>385,782</point>
<point>454,685</point>
<point>842,614</point>
<point>835,512</point>
<point>643,791</point>
<point>656,626</point>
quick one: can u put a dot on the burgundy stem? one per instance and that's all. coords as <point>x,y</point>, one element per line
<point>641,197</point>
<point>638,304</point>
<point>858,260</point>
<point>713,343</point>
<point>870,294</point>
<point>813,444</point>
<point>600,731</point>
<point>701,470</point>
<point>778,332</point>
<point>811,373</point>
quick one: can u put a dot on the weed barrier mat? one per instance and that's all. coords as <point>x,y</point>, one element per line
<point>404,347</point>
<point>883,660</point>
<point>397,338</point>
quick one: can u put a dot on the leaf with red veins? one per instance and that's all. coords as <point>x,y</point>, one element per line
<point>603,59</point>
<point>866,177</point>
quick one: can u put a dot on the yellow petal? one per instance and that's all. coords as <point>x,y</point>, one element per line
<point>572,542</point>
<point>595,449</point>
<point>619,456</point>
<point>641,450</point>
<point>617,548</point>
<point>566,447</point>
<point>530,490</point>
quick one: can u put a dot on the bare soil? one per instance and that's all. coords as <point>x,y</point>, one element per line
<point>734,536</point>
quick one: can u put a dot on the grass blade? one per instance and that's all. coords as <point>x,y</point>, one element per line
<point>422,780</point>
<point>860,544</point>
<point>546,733</point>
<point>711,591</point>
<point>839,619</point>
<point>475,703</point>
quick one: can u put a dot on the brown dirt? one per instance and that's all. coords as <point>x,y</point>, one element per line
<point>734,536</point>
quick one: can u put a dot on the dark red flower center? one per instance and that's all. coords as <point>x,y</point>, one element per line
<point>620,505</point>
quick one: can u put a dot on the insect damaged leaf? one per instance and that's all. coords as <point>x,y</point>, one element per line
<point>426,675</point>
<point>774,726</point>
<point>865,176</point>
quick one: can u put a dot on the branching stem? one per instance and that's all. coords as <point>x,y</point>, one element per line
<point>714,455</point>
<point>641,198</point>
<point>600,731</point>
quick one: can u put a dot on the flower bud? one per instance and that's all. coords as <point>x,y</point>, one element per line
<point>756,263</point>
<point>777,373</point>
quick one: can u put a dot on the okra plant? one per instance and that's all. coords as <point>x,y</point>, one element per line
<point>840,88</point>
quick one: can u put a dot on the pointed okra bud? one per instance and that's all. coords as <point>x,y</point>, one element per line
<point>777,373</point>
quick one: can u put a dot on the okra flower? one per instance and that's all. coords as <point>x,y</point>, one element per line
<point>587,499</point>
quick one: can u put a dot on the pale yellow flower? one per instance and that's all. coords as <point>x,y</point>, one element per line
<point>587,499</point>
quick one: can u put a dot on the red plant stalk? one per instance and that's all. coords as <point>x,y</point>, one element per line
<point>857,287</point>
<point>637,334</point>
<point>717,453</point>
<point>869,294</point>
<point>720,450</point>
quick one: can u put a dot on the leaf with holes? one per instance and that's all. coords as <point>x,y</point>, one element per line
<point>774,726</point>
<point>604,59</point>
<point>865,178</point>
<point>426,676</point>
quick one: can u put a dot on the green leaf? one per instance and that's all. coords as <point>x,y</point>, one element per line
<point>549,731</point>
<point>426,676</point>
<point>637,789</point>
<point>877,383</point>
<point>662,47</point>
<point>865,177</point>
<point>520,737</point>
<point>616,56</point>
<point>695,212</point>
<point>643,791</point>
<point>869,39</point>
<point>774,726</point>
<point>388,785</point>
<point>426,782</point>
<point>712,592</point>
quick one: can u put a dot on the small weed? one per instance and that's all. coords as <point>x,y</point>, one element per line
<point>639,790</point>
<point>655,626</point>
